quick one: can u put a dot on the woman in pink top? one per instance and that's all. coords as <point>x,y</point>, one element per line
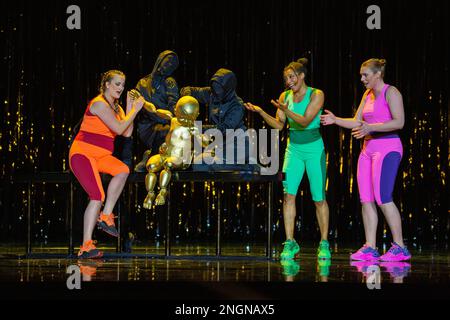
<point>379,116</point>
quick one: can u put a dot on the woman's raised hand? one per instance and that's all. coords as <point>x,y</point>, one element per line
<point>138,103</point>
<point>252,107</point>
<point>328,118</point>
<point>280,105</point>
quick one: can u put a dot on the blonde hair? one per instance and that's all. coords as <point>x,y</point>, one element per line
<point>375,65</point>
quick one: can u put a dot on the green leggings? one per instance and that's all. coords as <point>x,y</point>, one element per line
<point>305,151</point>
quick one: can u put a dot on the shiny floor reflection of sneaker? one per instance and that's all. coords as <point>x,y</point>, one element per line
<point>323,266</point>
<point>396,269</point>
<point>88,267</point>
<point>363,266</point>
<point>290,267</point>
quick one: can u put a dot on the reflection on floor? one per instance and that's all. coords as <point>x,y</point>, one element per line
<point>237,264</point>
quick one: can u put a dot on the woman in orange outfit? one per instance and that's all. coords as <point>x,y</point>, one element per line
<point>91,153</point>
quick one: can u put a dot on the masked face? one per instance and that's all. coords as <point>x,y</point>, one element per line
<point>217,90</point>
<point>167,66</point>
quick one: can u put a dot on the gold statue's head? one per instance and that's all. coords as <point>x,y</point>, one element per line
<point>187,110</point>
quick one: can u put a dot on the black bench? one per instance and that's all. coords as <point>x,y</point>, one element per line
<point>177,176</point>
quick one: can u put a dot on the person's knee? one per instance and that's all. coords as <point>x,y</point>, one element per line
<point>289,198</point>
<point>385,205</point>
<point>97,203</point>
<point>320,203</point>
<point>124,170</point>
<point>123,175</point>
<point>368,206</point>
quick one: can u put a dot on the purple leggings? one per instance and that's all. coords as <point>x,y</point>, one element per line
<point>377,168</point>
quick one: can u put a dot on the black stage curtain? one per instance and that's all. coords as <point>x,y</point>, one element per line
<point>49,73</point>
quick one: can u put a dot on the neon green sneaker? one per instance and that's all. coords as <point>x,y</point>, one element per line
<point>291,248</point>
<point>290,267</point>
<point>323,252</point>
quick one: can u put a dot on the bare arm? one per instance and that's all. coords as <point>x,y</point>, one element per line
<point>129,131</point>
<point>276,123</point>
<point>313,108</point>
<point>107,115</point>
<point>348,123</point>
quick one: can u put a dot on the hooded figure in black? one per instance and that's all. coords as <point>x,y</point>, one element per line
<point>160,91</point>
<point>226,111</point>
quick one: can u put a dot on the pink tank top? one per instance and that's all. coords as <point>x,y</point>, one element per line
<point>377,110</point>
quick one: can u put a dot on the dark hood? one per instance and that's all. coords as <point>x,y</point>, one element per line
<point>163,68</point>
<point>223,85</point>
<point>166,70</point>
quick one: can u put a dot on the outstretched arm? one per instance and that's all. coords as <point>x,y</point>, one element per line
<point>349,123</point>
<point>276,123</point>
<point>164,114</point>
<point>201,94</point>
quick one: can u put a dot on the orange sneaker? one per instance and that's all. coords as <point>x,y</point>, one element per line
<point>105,222</point>
<point>89,251</point>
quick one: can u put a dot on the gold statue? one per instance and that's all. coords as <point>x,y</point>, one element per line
<point>176,152</point>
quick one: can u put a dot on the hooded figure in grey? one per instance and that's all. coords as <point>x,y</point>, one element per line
<point>225,111</point>
<point>161,90</point>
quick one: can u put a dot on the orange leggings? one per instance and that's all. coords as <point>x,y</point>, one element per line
<point>87,161</point>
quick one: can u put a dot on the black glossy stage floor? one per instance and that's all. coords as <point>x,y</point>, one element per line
<point>229,277</point>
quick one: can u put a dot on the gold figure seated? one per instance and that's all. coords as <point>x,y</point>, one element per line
<point>177,150</point>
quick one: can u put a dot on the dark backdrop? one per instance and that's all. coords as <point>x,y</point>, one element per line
<point>49,73</point>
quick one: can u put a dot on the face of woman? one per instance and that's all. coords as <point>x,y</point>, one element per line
<point>292,80</point>
<point>369,78</point>
<point>116,86</point>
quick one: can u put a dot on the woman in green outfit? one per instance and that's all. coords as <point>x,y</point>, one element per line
<point>301,105</point>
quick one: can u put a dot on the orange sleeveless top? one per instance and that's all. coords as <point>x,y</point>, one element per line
<point>93,124</point>
<point>94,131</point>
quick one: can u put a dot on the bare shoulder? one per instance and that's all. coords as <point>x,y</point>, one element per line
<point>282,96</point>
<point>393,92</point>
<point>318,93</point>
<point>97,106</point>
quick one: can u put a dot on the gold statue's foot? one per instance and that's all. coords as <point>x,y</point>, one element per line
<point>161,197</point>
<point>148,202</point>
